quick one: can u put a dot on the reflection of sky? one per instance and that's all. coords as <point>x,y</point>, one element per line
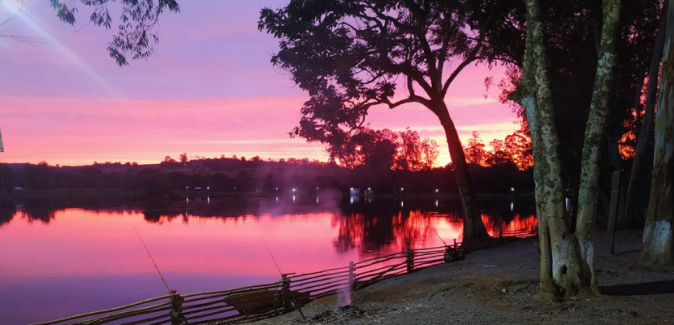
<point>84,260</point>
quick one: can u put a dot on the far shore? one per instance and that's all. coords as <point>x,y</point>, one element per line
<point>139,195</point>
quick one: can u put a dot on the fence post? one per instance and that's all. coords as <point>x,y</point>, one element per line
<point>352,275</point>
<point>410,259</point>
<point>613,210</point>
<point>285,288</point>
<point>176,312</point>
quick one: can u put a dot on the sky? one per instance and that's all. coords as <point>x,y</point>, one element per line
<point>208,90</point>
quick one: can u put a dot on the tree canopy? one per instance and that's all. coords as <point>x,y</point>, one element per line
<point>351,55</point>
<point>138,24</point>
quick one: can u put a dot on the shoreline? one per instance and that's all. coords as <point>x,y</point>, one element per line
<point>498,286</point>
<point>138,194</point>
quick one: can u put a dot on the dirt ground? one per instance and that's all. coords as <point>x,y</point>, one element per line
<point>498,286</point>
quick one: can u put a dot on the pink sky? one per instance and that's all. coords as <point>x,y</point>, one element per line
<point>208,90</point>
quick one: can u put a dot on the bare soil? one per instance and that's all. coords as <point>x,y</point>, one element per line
<point>498,286</point>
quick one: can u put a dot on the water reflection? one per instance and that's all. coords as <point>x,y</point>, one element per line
<point>89,248</point>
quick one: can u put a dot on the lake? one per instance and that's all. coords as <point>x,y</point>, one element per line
<point>63,258</point>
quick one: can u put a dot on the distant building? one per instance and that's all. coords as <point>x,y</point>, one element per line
<point>354,191</point>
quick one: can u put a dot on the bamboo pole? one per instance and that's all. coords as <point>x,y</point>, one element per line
<point>60,320</point>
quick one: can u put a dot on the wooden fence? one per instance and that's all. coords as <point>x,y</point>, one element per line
<point>251,303</point>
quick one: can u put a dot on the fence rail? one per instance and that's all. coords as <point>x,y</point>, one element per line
<point>256,302</point>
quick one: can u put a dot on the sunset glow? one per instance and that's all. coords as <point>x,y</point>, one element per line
<point>209,90</point>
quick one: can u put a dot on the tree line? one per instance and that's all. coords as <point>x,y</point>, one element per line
<point>229,175</point>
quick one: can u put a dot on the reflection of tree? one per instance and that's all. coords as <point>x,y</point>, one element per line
<point>509,218</point>
<point>38,213</point>
<point>379,229</point>
<point>7,212</point>
<point>382,229</point>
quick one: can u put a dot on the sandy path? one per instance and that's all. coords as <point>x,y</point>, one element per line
<point>498,286</point>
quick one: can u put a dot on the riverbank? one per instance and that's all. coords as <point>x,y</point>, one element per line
<point>119,193</point>
<point>498,286</point>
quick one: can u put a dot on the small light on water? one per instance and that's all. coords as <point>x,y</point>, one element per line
<point>436,190</point>
<point>277,188</point>
<point>436,203</point>
<point>512,189</point>
<point>511,205</point>
<point>208,200</point>
<point>317,188</point>
<point>316,199</point>
<point>401,204</point>
<point>351,200</point>
<point>188,200</point>
<point>401,189</point>
<point>187,187</point>
<point>293,199</point>
<point>208,187</point>
<point>277,199</point>
<point>293,190</point>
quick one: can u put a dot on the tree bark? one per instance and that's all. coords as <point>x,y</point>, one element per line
<point>473,227</point>
<point>567,266</point>
<point>595,133</point>
<point>642,159</point>
<point>658,251</point>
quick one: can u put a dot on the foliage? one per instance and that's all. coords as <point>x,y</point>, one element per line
<point>138,24</point>
<point>475,150</point>
<point>515,149</point>
<point>349,55</point>
<point>386,149</point>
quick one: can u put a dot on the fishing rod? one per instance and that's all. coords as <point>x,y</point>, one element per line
<point>292,297</point>
<point>436,233</point>
<point>155,264</point>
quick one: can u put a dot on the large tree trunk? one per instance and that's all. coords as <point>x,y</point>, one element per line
<point>595,133</point>
<point>658,248</point>
<point>566,256</point>
<point>638,183</point>
<point>473,227</point>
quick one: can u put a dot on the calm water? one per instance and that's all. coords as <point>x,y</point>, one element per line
<point>60,259</point>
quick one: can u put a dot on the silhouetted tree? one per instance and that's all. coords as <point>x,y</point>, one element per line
<point>7,182</point>
<point>638,186</point>
<point>475,150</point>
<point>659,231</point>
<point>349,55</point>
